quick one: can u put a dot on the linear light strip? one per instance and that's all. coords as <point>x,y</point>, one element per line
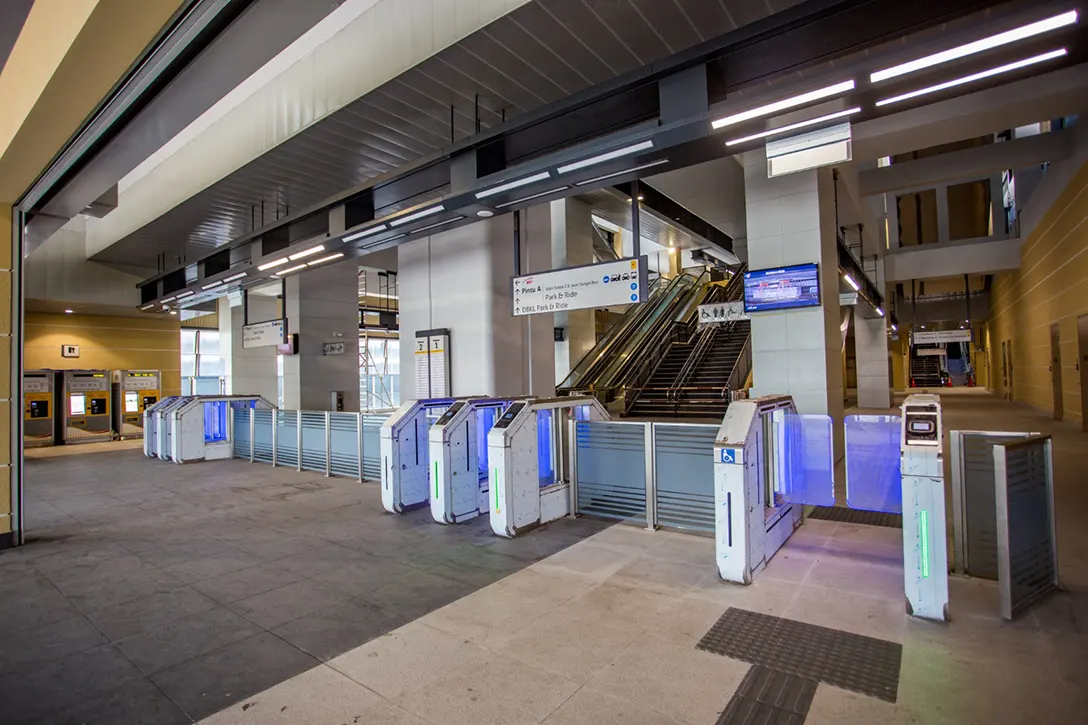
<point>439,224</point>
<point>382,241</point>
<point>365,233</point>
<point>418,215</point>
<point>621,173</point>
<point>531,197</point>
<point>236,277</point>
<point>978,46</point>
<point>792,102</point>
<point>608,156</point>
<point>168,299</point>
<point>272,264</point>
<point>187,293</point>
<point>794,126</point>
<point>213,285</point>
<point>289,270</point>
<point>329,258</point>
<point>514,184</point>
<point>148,307</point>
<point>850,281</point>
<point>307,253</point>
<point>974,77</point>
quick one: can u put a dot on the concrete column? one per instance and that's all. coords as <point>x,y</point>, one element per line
<point>460,280</point>
<point>791,220</point>
<point>248,371</point>
<point>572,246</point>
<point>871,350</point>
<point>322,306</point>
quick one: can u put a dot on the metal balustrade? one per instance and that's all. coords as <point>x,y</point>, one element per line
<point>336,444</point>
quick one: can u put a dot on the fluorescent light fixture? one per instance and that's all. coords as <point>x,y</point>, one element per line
<point>979,46</point>
<point>880,311</point>
<point>975,77</point>
<point>895,328</point>
<point>274,263</point>
<point>148,307</point>
<point>307,253</point>
<point>418,215</point>
<point>236,277</point>
<point>609,156</point>
<point>329,258</point>
<point>187,293</point>
<point>531,197</point>
<point>68,312</point>
<point>514,184</point>
<point>439,224</point>
<point>794,126</point>
<point>289,270</point>
<point>173,312</point>
<point>621,173</point>
<point>850,281</point>
<point>212,285</point>
<point>793,102</point>
<point>168,299</point>
<point>365,233</point>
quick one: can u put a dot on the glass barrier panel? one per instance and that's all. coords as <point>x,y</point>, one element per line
<point>684,459</point>
<point>873,479</point>
<point>287,438</point>
<point>241,432</point>
<point>344,444</point>
<point>313,441</point>
<point>806,460</point>
<point>611,470</point>
<point>485,421</point>
<point>372,457</point>
<point>262,436</point>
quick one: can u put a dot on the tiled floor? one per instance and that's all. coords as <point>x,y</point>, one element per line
<point>605,632</point>
<point>153,593</point>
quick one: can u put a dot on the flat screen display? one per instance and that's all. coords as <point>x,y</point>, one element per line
<point>132,402</point>
<point>783,288</point>
<point>77,405</point>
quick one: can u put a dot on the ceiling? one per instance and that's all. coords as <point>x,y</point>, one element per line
<point>614,206</point>
<point>542,52</point>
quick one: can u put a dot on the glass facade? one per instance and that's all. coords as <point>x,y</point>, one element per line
<point>200,353</point>
<point>379,372</point>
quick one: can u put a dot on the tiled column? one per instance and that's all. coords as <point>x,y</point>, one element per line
<point>791,220</point>
<point>322,306</point>
<point>572,246</point>
<point>9,396</point>
<point>248,371</point>
<point>871,345</point>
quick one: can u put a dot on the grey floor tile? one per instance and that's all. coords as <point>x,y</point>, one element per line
<point>26,647</point>
<point>209,683</point>
<point>32,601</point>
<point>138,615</point>
<point>185,638</point>
<point>135,702</point>
<point>287,603</point>
<point>316,561</point>
<point>333,631</point>
<point>247,582</point>
<point>478,567</point>
<point>418,594</point>
<point>366,576</point>
<point>112,582</point>
<point>208,567</point>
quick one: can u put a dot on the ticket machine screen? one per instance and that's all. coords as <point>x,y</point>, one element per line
<point>39,408</point>
<point>149,400</point>
<point>77,405</point>
<point>98,406</point>
<point>132,402</point>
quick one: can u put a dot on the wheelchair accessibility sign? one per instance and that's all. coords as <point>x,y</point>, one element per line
<point>729,455</point>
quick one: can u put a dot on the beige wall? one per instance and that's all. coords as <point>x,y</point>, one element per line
<point>106,343</point>
<point>1050,287</point>
<point>6,341</point>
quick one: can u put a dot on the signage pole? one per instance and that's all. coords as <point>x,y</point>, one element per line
<point>245,307</point>
<point>636,226</point>
<point>517,243</point>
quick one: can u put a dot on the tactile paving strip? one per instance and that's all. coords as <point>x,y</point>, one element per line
<point>851,661</point>
<point>856,516</point>
<point>768,697</point>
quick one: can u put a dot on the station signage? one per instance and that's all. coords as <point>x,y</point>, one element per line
<point>722,313</point>
<point>591,286</point>
<point>931,337</point>
<point>265,334</point>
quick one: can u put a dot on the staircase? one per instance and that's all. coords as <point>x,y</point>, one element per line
<point>653,401</point>
<point>925,372</point>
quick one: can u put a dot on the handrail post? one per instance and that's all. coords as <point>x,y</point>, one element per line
<point>360,444</point>
<point>275,436</point>
<point>651,478</point>
<point>328,444</point>
<point>298,436</point>
<point>572,430</point>
<point>252,434</point>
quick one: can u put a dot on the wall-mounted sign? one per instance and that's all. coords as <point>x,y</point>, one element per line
<point>931,337</point>
<point>722,313</point>
<point>264,334</point>
<point>432,356</point>
<point>332,348</point>
<point>69,350</point>
<point>622,282</point>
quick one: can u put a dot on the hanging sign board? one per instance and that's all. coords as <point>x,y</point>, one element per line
<point>722,313</point>
<point>432,356</point>
<point>622,282</point>
<point>930,337</point>
<point>265,334</point>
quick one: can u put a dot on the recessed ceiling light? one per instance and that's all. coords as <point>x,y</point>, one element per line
<point>850,281</point>
<point>173,312</point>
<point>273,264</point>
<point>236,277</point>
<point>485,213</point>
<point>289,270</point>
<point>786,103</point>
<point>307,253</point>
<point>978,46</point>
<point>168,299</point>
<point>607,156</point>
<point>365,233</point>
<point>614,174</point>
<point>793,126</point>
<point>187,293</point>
<point>514,184</point>
<point>148,307</point>
<point>418,215</point>
<point>329,258</point>
<point>213,285</point>
<point>533,196</point>
<point>975,77</point>
<point>68,312</point>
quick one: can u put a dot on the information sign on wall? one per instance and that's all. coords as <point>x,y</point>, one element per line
<point>931,337</point>
<point>432,355</point>
<point>622,282</point>
<point>332,348</point>
<point>264,334</point>
<point>722,313</point>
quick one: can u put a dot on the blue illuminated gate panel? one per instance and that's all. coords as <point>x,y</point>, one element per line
<point>806,463</point>
<point>544,447</point>
<point>485,421</point>
<point>873,479</point>
<point>215,421</point>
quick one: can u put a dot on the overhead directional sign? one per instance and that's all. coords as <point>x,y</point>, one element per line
<point>938,336</point>
<point>622,282</point>
<point>263,334</point>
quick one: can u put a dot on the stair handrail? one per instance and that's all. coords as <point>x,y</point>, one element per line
<point>741,367</point>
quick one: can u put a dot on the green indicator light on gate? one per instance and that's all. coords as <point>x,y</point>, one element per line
<point>923,535</point>
<point>436,479</point>
<point>494,476</point>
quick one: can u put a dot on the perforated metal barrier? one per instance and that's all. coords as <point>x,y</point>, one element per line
<point>336,444</point>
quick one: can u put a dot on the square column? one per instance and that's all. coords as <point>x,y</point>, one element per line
<point>572,246</point>
<point>322,306</point>
<point>791,220</point>
<point>871,352</point>
<point>249,371</point>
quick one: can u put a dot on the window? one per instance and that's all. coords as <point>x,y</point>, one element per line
<point>200,354</point>
<point>379,372</point>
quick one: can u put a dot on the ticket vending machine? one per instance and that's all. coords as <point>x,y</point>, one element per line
<point>39,408</point>
<point>528,454</point>
<point>86,414</point>
<point>134,391</point>
<point>459,461</point>
<point>405,472</point>
<point>925,544</point>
